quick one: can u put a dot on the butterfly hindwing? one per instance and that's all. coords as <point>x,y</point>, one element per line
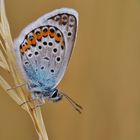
<point>44,47</point>
<point>67,22</point>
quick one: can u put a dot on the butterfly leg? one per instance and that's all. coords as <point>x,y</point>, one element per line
<point>39,105</point>
<point>27,102</point>
<point>16,87</point>
<point>40,100</point>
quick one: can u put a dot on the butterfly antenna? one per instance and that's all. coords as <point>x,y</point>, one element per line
<point>76,106</point>
<point>73,101</point>
<point>77,109</point>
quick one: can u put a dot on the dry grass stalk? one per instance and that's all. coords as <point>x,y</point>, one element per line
<point>8,65</point>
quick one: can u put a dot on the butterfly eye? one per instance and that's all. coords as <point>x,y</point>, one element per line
<point>54,94</point>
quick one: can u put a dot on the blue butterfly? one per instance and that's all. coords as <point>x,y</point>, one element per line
<point>43,50</point>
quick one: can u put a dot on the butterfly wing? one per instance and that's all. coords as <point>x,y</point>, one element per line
<point>44,47</point>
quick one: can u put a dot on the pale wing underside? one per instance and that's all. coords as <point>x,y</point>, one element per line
<point>44,47</point>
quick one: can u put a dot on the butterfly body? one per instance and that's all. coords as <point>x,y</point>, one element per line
<point>43,50</point>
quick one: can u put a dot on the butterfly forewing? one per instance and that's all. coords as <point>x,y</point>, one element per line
<point>45,46</point>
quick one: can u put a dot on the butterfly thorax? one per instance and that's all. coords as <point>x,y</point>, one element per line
<point>43,93</point>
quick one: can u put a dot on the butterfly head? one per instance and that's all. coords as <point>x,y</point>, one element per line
<point>56,96</point>
<point>52,95</point>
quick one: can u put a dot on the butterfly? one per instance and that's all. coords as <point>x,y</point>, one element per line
<point>43,50</point>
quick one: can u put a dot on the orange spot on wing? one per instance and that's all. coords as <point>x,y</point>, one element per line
<point>45,34</point>
<point>51,34</point>
<point>32,42</point>
<point>39,36</point>
<point>24,48</point>
<point>35,36</point>
<point>21,50</point>
<point>58,39</point>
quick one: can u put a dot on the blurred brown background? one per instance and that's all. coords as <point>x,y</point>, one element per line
<point>103,75</point>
